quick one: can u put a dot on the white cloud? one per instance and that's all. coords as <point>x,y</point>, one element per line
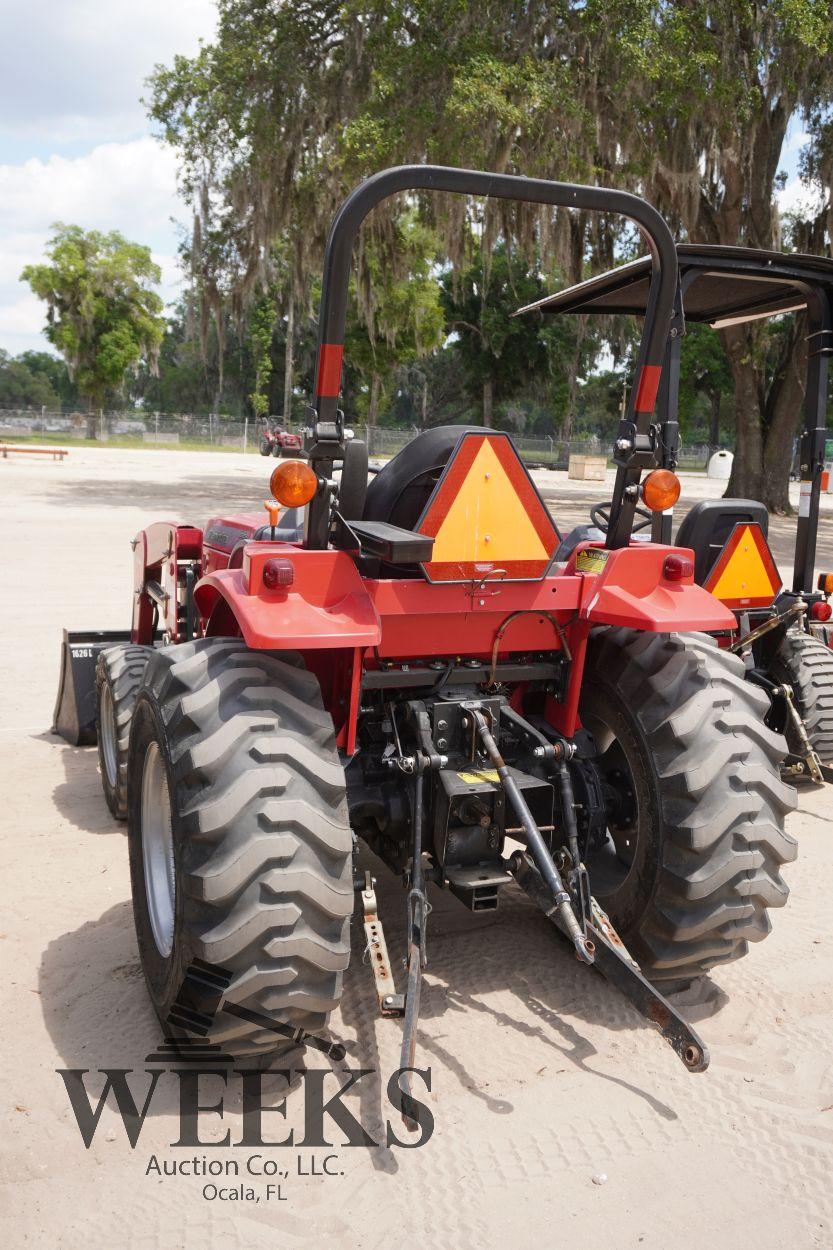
<point>797,197</point>
<point>75,69</point>
<point>130,187</point>
<point>73,134</point>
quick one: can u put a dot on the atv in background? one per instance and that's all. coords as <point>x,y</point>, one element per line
<point>276,441</point>
<point>402,661</point>
<point>781,634</point>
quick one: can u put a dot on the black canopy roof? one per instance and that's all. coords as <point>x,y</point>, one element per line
<point>721,285</point>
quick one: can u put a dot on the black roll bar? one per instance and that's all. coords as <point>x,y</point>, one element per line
<point>635,428</point>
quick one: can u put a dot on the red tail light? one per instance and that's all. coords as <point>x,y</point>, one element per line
<point>820,611</point>
<point>676,568</point>
<point>278,573</point>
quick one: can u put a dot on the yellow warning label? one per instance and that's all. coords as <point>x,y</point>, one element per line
<point>487,521</point>
<point>478,775</point>
<point>592,560</point>
<point>745,574</point>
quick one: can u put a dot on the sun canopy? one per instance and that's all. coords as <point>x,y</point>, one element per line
<point>721,285</point>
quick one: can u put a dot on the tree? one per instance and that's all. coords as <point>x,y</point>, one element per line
<point>685,102</point>
<point>54,371</point>
<point>102,314</point>
<point>400,318</point>
<point>714,89</point>
<point>500,353</point>
<point>704,374</point>
<point>21,386</point>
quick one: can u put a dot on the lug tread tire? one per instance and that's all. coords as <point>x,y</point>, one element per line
<point>259,799</point>
<point>722,802</point>
<point>806,664</point>
<point>123,668</point>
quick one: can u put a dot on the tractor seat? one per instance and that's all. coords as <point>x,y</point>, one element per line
<point>399,492</point>
<point>707,526</point>
<point>401,489</point>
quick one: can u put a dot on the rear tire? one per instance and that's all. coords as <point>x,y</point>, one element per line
<point>118,678</point>
<point>806,664</point>
<point>265,447</point>
<point>260,846</point>
<point>699,839</point>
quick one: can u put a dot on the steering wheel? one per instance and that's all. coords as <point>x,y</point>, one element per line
<point>600,516</point>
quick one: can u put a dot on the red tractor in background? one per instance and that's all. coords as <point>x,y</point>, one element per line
<point>405,662</point>
<point>782,634</point>
<point>276,441</point>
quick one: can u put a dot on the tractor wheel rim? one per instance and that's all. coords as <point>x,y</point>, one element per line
<point>108,736</point>
<point>623,838</point>
<point>158,850</point>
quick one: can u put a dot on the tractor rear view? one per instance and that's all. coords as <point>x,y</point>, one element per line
<point>782,634</point>
<point>407,663</point>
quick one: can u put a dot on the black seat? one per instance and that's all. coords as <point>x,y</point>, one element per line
<point>707,526</point>
<point>399,491</point>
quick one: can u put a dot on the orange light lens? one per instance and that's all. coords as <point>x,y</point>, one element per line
<point>293,483</point>
<point>826,583</point>
<point>660,490</point>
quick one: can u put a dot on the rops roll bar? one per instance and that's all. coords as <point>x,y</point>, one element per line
<point>634,443</point>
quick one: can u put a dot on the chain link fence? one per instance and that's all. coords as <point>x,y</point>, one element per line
<point>132,429</point>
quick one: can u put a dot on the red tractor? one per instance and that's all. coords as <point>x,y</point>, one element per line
<point>781,634</point>
<point>404,662</point>
<point>276,441</point>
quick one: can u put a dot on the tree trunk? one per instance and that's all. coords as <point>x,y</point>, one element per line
<point>289,357</point>
<point>375,393</point>
<point>714,422</point>
<point>423,420</point>
<point>785,404</point>
<point>488,403</point>
<point>747,479</point>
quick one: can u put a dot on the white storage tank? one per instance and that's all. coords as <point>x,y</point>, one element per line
<point>720,465</point>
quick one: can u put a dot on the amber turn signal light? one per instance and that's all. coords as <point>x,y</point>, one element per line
<point>293,483</point>
<point>825,583</point>
<point>660,490</point>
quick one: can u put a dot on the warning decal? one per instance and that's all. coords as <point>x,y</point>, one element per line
<point>486,517</point>
<point>481,774</point>
<point>591,560</point>
<point>745,575</point>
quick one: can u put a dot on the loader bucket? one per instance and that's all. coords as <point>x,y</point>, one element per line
<point>74,715</point>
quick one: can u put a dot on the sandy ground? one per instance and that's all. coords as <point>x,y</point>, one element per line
<point>542,1077</point>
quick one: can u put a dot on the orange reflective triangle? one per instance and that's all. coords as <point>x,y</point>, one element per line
<point>744,575</point>
<point>486,516</point>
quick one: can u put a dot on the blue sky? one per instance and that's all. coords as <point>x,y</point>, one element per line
<point>75,145</point>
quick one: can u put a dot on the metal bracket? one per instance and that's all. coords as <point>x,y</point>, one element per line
<point>633,450</point>
<point>797,609</point>
<point>390,1003</point>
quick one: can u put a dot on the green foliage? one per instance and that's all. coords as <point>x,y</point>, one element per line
<point>403,316</point>
<point>686,103</point>
<point>102,314</point>
<point>705,378</point>
<point>19,386</point>
<point>261,333</point>
<point>33,380</point>
<point>502,355</point>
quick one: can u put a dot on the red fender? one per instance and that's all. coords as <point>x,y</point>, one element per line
<point>326,606</point>
<point>628,587</point>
